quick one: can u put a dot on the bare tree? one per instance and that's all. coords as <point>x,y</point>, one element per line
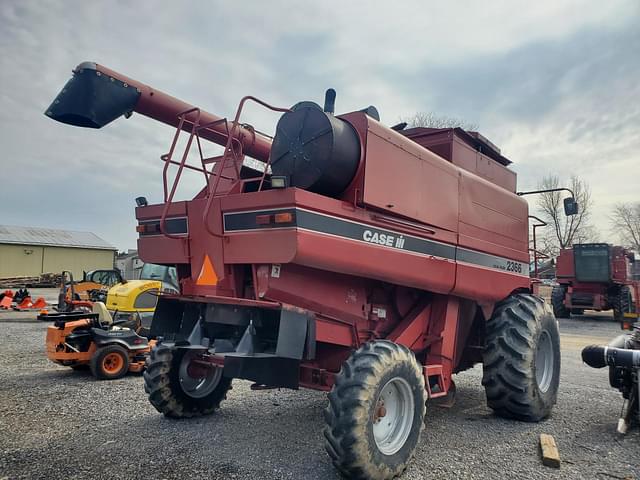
<point>432,120</point>
<point>563,231</point>
<point>625,221</point>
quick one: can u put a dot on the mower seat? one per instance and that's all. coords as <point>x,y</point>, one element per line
<point>123,336</point>
<point>103,314</point>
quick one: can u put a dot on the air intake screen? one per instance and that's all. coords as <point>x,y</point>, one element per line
<point>592,262</point>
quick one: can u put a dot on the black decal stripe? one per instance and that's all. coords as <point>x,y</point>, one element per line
<point>175,226</point>
<point>338,227</point>
<point>355,231</point>
<point>243,221</point>
<point>492,261</point>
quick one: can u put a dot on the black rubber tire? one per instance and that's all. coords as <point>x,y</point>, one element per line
<point>96,362</point>
<point>557,301</point>
<point>162,384</point>
<point>509,360</point>
<point>622,303</point>
<point>79,367</point>
<point>577,311</point>
<point>349,439</point>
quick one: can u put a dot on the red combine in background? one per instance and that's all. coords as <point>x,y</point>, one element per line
<point>366,261</point>
<point>595,276</point>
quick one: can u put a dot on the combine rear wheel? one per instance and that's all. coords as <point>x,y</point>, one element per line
<point>179,388</point>
<point>622,303</point>
<point>376,411</point>
<point>521,370</point>
<point>557,301</point>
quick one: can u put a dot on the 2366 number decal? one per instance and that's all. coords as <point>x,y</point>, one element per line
<point>514,267</point>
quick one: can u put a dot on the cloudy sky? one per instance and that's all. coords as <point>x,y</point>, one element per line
<point>556,84</point>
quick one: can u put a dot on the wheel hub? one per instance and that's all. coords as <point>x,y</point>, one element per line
<point>544,361</point>
<point>112,363</point>
<point>380,411</point>
<point>393,416</point>
<point>197,380</point>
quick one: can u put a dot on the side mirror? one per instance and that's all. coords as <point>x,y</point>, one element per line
<point>570,206</point>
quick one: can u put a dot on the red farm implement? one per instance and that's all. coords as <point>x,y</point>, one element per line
<point>370,262</point>
<point>596,276</point>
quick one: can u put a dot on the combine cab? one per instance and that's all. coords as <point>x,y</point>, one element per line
<point>365,261</point>
<point>596,276</point>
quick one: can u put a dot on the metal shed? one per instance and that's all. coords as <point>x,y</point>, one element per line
<point>31,251</point>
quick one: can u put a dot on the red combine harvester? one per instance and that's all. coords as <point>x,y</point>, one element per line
<point>595,276</point>
<point>365,261</point>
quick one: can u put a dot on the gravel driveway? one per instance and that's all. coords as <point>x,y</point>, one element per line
<point>57,423</point>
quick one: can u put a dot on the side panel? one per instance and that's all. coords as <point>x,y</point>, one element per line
<point>492,220</point>
<point>564,266</point>
<point>157,248</point>
<point>377,262</point>
<point>620,265</point>
<point>326,293</point>
<point>405,179</point>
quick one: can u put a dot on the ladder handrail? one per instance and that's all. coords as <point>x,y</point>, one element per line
<point>169,199</point>
<point>229,150</point>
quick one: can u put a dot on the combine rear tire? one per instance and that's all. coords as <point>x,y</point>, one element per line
<point>557,301</point>
<point>521,370</point>
<point>622,303</point>
<point>176,391</point>
<point>109,362</point>
<point>376,412</point>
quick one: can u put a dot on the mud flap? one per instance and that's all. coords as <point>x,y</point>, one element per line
<point>296,340</point>
<point>263,368</point>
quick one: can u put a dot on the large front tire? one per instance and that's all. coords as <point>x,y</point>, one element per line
<point>376,412</point>
<point>175,391</point>
<point>521,370</point>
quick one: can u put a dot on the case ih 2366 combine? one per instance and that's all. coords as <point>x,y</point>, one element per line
<point>360,260</point>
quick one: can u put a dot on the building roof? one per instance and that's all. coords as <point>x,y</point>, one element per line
<point>52,237</point>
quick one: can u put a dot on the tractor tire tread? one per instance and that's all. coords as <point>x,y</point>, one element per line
<point>162,391</point>
<point>508,373</point>
<point>352,392</point>
<point>557,301</point>
<point>622,303</point>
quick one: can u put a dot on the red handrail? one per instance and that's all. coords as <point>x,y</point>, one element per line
<point>230,150</point>
<point>168,200</point>
<point>536,254</point>
<point>235,137</point>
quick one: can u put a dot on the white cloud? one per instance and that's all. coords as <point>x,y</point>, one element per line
<point>213,53</point>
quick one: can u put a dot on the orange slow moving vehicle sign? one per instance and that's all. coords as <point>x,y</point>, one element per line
<point>207,273</point>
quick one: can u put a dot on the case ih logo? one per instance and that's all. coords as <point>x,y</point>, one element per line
<point>383,239</point>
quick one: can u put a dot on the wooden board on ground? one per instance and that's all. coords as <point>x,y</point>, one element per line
<point>549,450</point>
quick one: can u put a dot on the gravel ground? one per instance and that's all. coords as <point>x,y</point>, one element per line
<point>57,423</point>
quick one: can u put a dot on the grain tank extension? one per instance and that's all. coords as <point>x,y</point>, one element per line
<point>365,261</point>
